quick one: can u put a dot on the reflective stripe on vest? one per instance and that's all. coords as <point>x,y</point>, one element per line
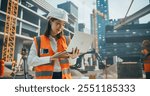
<point>45,71</point>
<point>66,74</point>
<point>66,71</point>
<point>64,61</point>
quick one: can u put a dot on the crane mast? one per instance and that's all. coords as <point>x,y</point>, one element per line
<point>10,31</point>
<point>95,12</point>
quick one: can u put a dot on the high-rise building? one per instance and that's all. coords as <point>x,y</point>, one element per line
<point>102,6</point>
<point>81,27</point>
<point>126,42</point>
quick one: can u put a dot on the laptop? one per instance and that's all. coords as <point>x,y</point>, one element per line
<point>82,41</point>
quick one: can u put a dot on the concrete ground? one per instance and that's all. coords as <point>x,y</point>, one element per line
<point>108,73</point>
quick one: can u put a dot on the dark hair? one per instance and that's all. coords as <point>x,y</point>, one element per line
<point>146,45</point>
<point>49,29</point>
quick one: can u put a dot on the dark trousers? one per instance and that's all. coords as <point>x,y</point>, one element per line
<point>147,75</point>
<point>57,75</point>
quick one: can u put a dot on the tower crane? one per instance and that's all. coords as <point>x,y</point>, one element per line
<point>95,13</point>
<point>95,43</point>
<point>10,31</point>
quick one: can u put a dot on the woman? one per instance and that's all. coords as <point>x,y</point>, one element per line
<point>146,52</point>
<point>44,56</point>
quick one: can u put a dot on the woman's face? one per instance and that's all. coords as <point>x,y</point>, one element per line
<point>144,51</point>
<point>57,26</point>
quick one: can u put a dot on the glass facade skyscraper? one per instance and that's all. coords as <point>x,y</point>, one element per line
<point>102,6</point>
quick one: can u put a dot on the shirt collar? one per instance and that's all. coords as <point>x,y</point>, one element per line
<point>51,38</point>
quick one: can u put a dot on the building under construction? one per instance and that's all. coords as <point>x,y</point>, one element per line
<point>128,38</point>
<point>21,20</point>
<point>31,21</point>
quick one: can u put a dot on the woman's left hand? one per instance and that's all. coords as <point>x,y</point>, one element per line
<point>75,53</point>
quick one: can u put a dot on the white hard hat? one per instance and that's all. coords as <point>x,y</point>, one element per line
<point>59,14</point>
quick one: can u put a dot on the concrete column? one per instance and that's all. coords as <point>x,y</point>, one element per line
<point>18,47</point>
<point>97,65</point>
<point>82,65</point>
<point>39,23</point>
<point>21,16</point>
<point>0,3</point>
<point>115,59</point>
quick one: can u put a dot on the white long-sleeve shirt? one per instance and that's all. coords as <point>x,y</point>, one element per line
<point>35,60</point>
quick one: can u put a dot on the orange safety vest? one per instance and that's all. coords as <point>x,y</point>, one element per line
<point>147,64</point>
<point>45,71</point>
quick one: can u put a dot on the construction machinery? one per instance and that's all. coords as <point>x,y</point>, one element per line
<point>78,64</point>
<point>10,33</point>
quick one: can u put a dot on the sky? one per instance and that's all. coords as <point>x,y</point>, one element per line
<point>117,9</point>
